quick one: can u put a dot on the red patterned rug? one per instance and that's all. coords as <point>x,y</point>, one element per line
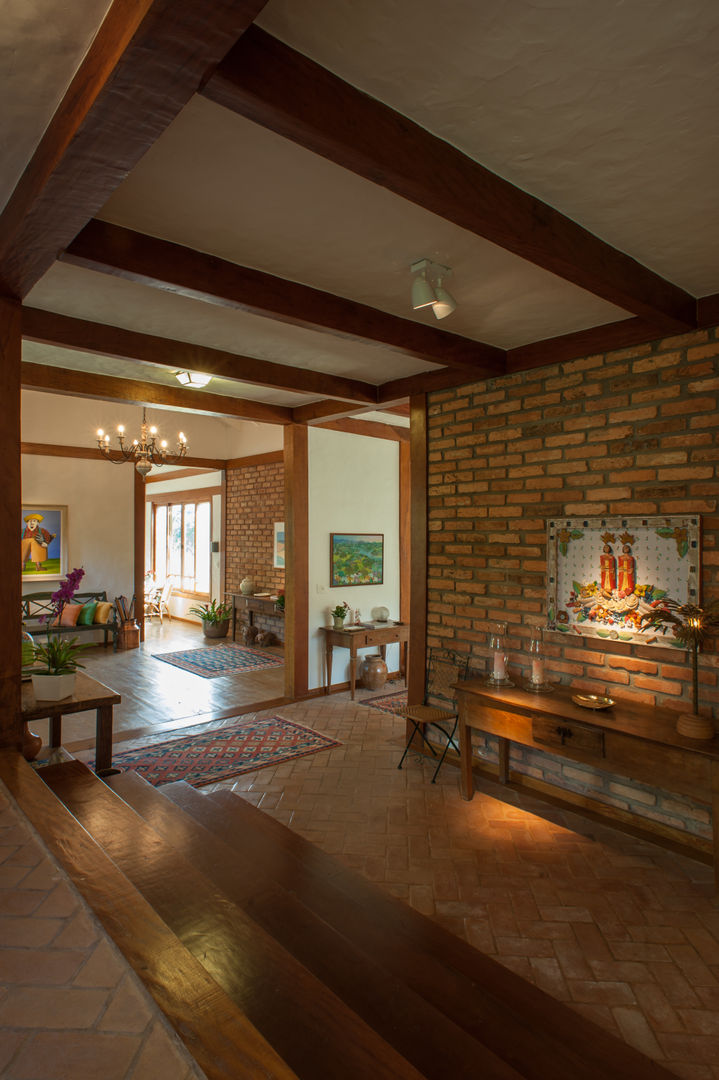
<point>391,703</point>
<point>223,752</point>
<point>226,658</point>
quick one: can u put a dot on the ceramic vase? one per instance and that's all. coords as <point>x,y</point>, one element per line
<point>373,672</point>
<point>53,687</point>
<point>247,586</point>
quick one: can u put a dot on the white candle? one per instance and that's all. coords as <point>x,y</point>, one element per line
<point>537,671</point>
<point>500,666</point>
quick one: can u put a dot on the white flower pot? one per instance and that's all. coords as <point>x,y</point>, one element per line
<point>53,687</point>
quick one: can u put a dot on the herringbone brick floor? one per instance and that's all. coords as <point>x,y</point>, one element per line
<point>620,929</point>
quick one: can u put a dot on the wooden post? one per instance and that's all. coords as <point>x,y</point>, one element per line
<point>418,549</point>
<point>139,551</point>
<point>405,547</point>
<point>296,560</point>
<point>10,506</point>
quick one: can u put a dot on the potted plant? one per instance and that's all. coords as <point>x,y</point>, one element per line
<point>280,603</point>
<point>215,618</point>
<point>689,624</point>
<point>339,614</point>
<point>53,676</point>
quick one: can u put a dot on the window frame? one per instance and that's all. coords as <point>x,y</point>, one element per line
<point>194,497</point>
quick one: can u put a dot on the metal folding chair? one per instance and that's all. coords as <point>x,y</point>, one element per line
<point>442,677</point>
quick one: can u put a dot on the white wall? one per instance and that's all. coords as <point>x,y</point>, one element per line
<point>353,487</point>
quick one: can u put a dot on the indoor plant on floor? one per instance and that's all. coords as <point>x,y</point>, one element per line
<point>215,618</point>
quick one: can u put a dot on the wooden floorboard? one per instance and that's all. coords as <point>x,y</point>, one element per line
<point>531,1031</point>
<point>311,1029</point>
<point>431,1040</point>
<point>215,1031</point>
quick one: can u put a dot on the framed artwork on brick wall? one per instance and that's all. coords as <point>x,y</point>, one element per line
<point>604,574</point>
<point>278,548</point>
<point>356,559</point>
<point>43,541</point>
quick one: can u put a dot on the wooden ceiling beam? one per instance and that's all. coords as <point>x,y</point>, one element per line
<point>135,257</point>
<point>367,428</point>
<point>598,339</point>
<point>273,85</point>
<point>143,66</point>
<point>57,380</point>
<point>84,336</point>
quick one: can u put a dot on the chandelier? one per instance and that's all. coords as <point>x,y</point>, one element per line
<point>145,451</point>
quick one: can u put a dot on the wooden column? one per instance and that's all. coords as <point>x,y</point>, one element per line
<point>418,548</point>
<point>405,547</point>
<point>10,506</point>
<point>296,560</point>
<point>139,551</point>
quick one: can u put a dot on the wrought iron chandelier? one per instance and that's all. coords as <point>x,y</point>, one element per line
<point>145,451</point>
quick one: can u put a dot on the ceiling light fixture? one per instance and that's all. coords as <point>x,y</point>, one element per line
<point>428,290</point>
<point>143,452</point>
<point>192,379</point>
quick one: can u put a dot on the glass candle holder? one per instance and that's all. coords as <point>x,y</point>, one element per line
<point>498,647</point>
<point>537,677</point>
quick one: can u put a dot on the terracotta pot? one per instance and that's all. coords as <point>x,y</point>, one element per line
<point>695,727</point>
<point>31,743</point>
<point>216,629</point>
<point>373,672</point>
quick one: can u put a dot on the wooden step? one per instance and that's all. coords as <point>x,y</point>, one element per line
<point>215,1031</point>
<point>532,1032</point>
<point>311,1029</point>
<point>428,1038</point>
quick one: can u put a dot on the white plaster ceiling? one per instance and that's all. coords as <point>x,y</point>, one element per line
<point>605,111</point>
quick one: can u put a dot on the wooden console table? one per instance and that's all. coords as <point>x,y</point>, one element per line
<point>369,635</point>
<point>263,605</point>
<point>637,741</point>
<point>89,694</point>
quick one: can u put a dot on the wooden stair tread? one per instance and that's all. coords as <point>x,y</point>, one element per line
<point>425,1036</point>
<point>215,1031</point>
<point>309,1027</point>
<point>536,1034</point>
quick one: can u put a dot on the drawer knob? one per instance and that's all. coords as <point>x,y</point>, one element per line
<point>564,733</point>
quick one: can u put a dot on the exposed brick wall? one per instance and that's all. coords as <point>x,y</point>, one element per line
<point>255,501</point>
<point>631,432</point>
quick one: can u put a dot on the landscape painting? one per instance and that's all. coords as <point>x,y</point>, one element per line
<point>356,559</point>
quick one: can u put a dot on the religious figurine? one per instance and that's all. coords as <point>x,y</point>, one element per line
<point>607,565</point>
<point>626,565</point>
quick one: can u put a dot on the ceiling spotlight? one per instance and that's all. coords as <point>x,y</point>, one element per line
<point>192,379</point>
<point>428,290</point>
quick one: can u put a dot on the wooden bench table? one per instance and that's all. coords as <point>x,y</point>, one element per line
<point>89,694</point>
<point>637,741</point>
<point>367,636</point>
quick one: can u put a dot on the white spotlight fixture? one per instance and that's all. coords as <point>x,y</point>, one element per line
<point>192,379</point>
<point>428,290</point>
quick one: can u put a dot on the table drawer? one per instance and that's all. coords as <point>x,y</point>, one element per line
<point>569,734</point>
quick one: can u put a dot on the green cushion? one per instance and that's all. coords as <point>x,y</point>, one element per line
<point>87,615</point>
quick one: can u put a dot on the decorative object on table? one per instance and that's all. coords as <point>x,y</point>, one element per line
<point>380,614</point>
<point>537,678</point>
<point>689,625</point>
<point>43,541</point>
<point>357,620</point>
<point>211,756</point>
<point>390,703</point>
<point>248,634</point>
<point>278,545</point>
<point>606,575</point>
<point>339,614</point>
<point>592,701</point>
<point>56,661</point>
<point>143,452</point>
<point>280,603</point>
<point>215,618</point>
<point>356,559</point>
<point>247,586</point>
<point>373,671</point>
<point>498,649</point>
<point>215,661</point>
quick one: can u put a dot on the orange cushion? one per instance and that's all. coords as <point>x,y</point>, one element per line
<point>102,611</point>
<point>69,615</point>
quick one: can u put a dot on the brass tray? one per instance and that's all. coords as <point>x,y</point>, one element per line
<point>592,701</point>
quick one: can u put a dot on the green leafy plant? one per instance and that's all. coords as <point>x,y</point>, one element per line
<point>280,602</point>
<point>340,611</point>
<point>689,624</point>
<point>58,655</point>
<point>214,612</point>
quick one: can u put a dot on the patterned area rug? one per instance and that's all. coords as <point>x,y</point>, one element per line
<point>391,703</point>
<point>225,659</point>
<point>217,755</point>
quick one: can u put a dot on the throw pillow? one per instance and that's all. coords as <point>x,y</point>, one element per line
<point>68,616</point>
<point>102,612</point>
<point>87,615</point>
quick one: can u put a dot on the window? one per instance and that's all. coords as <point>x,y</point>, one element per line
<point>181,543</point>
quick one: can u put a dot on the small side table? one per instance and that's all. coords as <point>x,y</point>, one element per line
<point>369,635</point>
<point>89,694</point>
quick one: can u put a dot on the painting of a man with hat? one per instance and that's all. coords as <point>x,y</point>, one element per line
<point>40,541</point>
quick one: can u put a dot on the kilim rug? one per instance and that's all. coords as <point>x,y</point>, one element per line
<point>224,752</point>
<point>391,703</point>
<point>225,659</point>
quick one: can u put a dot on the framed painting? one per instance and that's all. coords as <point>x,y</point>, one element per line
<point>278,546</point>
<point>43,541</point>
<point>356,559</point>
<point>605,574</point>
